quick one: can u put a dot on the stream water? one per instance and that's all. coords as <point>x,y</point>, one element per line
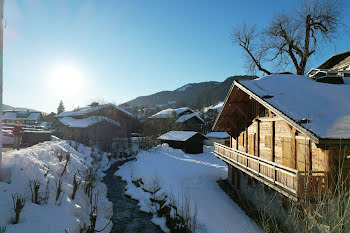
<point>127,215</point>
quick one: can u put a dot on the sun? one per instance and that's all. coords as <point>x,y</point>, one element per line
<point>66,79</point>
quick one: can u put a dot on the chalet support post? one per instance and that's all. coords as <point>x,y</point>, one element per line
<point>258,138</point>
<point>310,157</point>
<point>246,142</point>
<point>273,141</point>
<point>246,137</point>
<point>294,151</point>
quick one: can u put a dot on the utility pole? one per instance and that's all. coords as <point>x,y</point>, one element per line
<point>1,71</point>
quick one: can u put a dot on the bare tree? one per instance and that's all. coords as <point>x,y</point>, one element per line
<point>291,38</point>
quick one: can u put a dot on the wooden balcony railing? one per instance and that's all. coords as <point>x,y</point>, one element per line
<point>284,179</point>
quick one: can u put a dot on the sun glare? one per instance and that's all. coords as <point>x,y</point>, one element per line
<point>66,79</point>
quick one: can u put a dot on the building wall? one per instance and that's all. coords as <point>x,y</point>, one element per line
<point>259,195</point>
<point>280,148</point>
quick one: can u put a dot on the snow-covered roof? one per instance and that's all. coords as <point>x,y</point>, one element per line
<point>32,116</point>
<point>10,116</point>
<point>217,135</point>
<point>326,106</point>
<point>186,117</point>
<point>168,113</point>
<point>178,135</point>
<point>85,110</point>
<point>85,122</point>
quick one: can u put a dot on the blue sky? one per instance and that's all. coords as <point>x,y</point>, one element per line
<point>123,49</point>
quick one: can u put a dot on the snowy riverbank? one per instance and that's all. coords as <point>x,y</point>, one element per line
<point>44,163</point>
<point>182,176</point>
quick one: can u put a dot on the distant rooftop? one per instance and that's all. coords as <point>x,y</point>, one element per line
<point>181,136</point>
<point>86,122</point>
<point>85,110</point>
<point>168,113</point>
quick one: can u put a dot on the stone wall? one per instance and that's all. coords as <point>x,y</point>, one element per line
<point>260,195</point>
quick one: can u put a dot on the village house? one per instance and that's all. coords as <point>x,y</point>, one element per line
<point>334,70</point>
<point>188,141</point>
<point>96,123</point>
<point>288,135</point>
<point>218,137</point>
<point>180,119</point>
<point>25,117</point>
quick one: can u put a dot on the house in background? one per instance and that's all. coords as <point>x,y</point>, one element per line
<point>95,123</point>
<point>188,141</point>
<point>218,137</point>
<point>334,70</point>
<point>25,117</point>
<point>340,61</point>
<point>180,119</point>
<point>288,134</point>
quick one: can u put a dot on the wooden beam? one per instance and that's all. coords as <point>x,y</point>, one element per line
<point>258,137</point>
<point>246,137</point>
<point>272,141</point>
<point>242,109</point>
<point>234,117</point>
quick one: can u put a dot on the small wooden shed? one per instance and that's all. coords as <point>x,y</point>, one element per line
<point>189,141</point>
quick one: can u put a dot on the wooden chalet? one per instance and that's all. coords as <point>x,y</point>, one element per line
<point>188,141</point>
<point>180,119</point>
<point>95,123</point>
<point>340,61</point>
<point>287,132</point>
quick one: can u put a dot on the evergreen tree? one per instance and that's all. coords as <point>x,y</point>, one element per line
<point>60,108</point>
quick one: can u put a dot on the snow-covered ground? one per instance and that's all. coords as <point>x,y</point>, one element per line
<point>192,175</point>
<point>41,163</point>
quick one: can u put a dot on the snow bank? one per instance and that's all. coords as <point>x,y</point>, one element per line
<point>195,175</point>
<point>40,162</point>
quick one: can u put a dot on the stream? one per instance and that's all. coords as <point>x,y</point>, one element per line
<point>127,215</point>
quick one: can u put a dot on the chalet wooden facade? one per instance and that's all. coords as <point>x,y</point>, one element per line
<point>288,132</point>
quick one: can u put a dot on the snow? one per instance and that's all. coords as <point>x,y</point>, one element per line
<point>194,176</point>
<point>41,162</point>
<point>88,109</point>
<point>327,106</point>
<point>183,88</point>
<point>86,122</point>
<point>185,117</point>
<point>32,116</point>
<point>216,107</point>
<point>181,136</point>
<point>217,135</point>
<point>168,113</point>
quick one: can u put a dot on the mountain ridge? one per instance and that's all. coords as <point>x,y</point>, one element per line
<point>195,95</point>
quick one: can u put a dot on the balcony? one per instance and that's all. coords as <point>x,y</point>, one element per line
<point>288,181</point>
